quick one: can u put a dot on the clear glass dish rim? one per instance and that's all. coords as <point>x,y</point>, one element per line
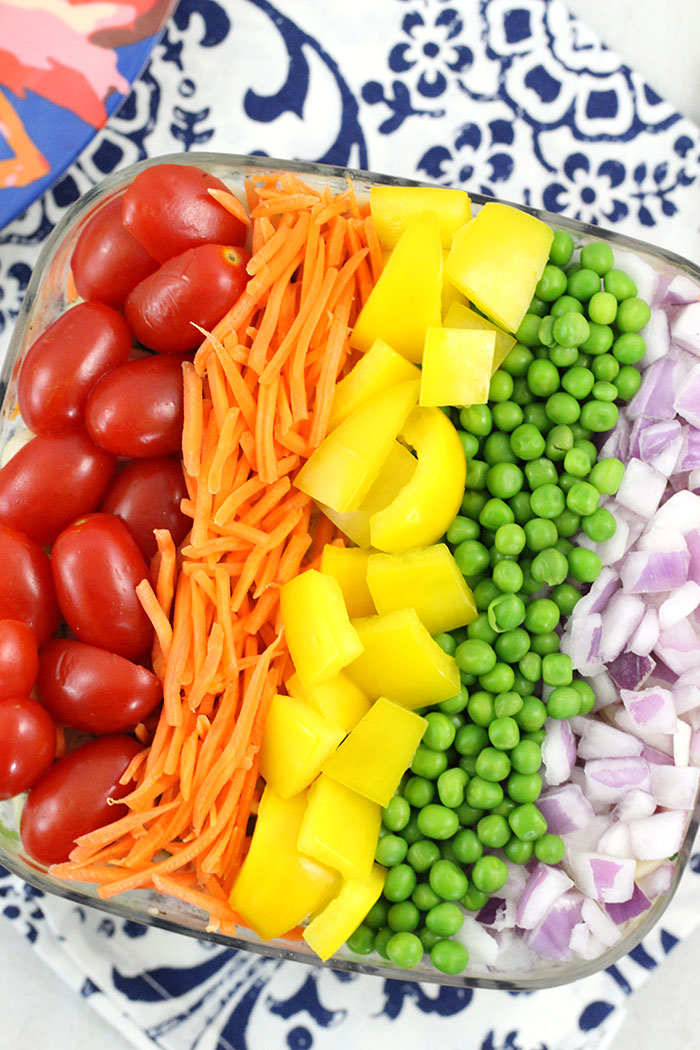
<point>241,166</point>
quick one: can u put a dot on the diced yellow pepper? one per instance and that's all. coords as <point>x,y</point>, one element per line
<point>340,828</point>
<point>319,635</point>
<point>402,661</point>
<point>497,260</point>
<point>329,930</point>
<point>457,366</point>
<point>426,579</point>
<point>450,294</point>
<point>375,755</point>
<point>397,470</point>
<point>341,471</point>
<point>277,887</point>
<point>406,300</point>
<point>379,368</point>
<point>461,316</point>
<point>296,743</point>
<point>393,207</point>
<point>427,504</point>
<point>349,567</point>
<point>337,700</point>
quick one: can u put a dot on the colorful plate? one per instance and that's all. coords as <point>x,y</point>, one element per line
<point>65,66</point>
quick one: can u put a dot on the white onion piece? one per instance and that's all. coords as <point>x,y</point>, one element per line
<point>482,946</point>
<point>583,943</point>
<point>661,742</point>
<point>692,541</point>
<point>616,840</point>
<point>657,335</point>
<point>601,740</point>
<point>600,924</point>
<point>658,836</point>
<point>603,878</point>
<point>622,911</point>
<point>675,787</point>
<point>544,886</point>
<point>620,620</point>
<point>685,328</point>
<point>551,938</point>
<point>687,403</point>
<point>647,634</point>
<point>600,593</point>
<point>515,883</point>
<point>607,779</point>
<point>661,538</point>
<point>635,804</point>
<point>587,837</point>
<point>641,489</point>
<point>679,605</point>
<point>642,273</point>
<point>681,743</point>
<point>681,290</point>
<point>558,751</point>
<point>565,809</point>
<point>666,459</point>
<point>656,881</point>
<point>681,511</point>
<point>694,748</point>
<point>651,710</point>
<point>686,696</point>
<point>581,641</point>
<point>652,572</point>
<point>679,648</point>
<point>656,395</point>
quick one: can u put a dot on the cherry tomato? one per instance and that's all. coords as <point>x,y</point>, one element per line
<point>66,361</point>
<point>27,744</point>
<point>146,495</point>
<point>19,659</point>
<point>137,409</point>
<point>26,584</point>
<point>87,688</point>
<point>168,209</point>
<point>96,566</point>
<point>197,287</point>
<point>72,798</point>
<point>108,261</point>
<point>51,480</point>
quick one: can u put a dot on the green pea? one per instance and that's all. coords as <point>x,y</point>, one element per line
<point>563,356</point>
<point>604,391</point>
<point>501,386</point>
<point>472,557</point>
<point>471,739</point>
<point>361,942</point>
<point>543,378</point>
<point>509,538</point>
<point>517,851</point>
<point>427,938</point>
<point>399,883</point>
<point>534,414</point>
<point>545,642</point>
<point>566,481</point>
<point>605,368</point>
<point>391,850</point>
<point>492,765</point>
<point>489,874</point>
<point>451,786</point>
<point>520,505</point>
<point>600,525</point>
<point>602,308</point>
<point>628,382</point>
<point>600,339</point>
<point>497,450</point>
<point>475,656</point>
<point>428,763</point>
<point>381,940</point>
<point>449,957</point>
<point>493,830</point>
<point>480,629</point>
<point>484,593</point>
<point>448,880</point>
<point>470,444</point>
<point>518,359</point>
<point>495,513</point>
<point>578,382</point>
<point>467,845</point>
<point>403,916</point>
<point>577,462</point>
<point>541,616</point>
<point>583,284</point>
<point>567,523</point>
<point>455,704</point>
<point>584,565</point>
<point>439,733</point>
<point>421,856</point>
<point>507,611</point>
<point>556,669</point>
<point>526,757</point>
<point>559,440</point>
<point>527,442</point>
<point>530,666</point>
<point>551,284</point>
<point>632,315</point>
<point>587,695</point>
<point>507,415</point>
<point>483,794</point>
<point>540,472</point>
<point>547,501</point>
<point>528,330</point>
<point>582,498</point>
<point>476,419</point>
<point>629,348</point>
<point>498,680</point>
<point>503,480</point>
<point>550,567</point>
<point>540,533</point>
<point>511,646</point>
<point>570,329</point>
<point>546,331</point>
<point>562,248</point>
<point>550,849</point>
<point>522,395</point>
<point>527,822</point>
<point>563,702</point>
<point>532,715</point>
<point>419,791</point>
<point>477,470</point>
<point>566,304</point>
<point>504,733</point>
<point>474,899</point>
<point>472,502</point>
<point>607,475</point>
<point>599,416</point>
<point>566,596</point>
<point>377,915</point>
<point>597,256</point>
<point>405,950</point>
<point>437,822</point>
<point>396,814</point>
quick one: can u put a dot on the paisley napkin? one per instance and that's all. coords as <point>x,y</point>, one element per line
<point>513,98</point>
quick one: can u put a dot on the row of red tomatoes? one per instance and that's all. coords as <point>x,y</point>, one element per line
<point>101,472</point>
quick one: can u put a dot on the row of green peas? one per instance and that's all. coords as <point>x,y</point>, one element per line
<point>534,481</point>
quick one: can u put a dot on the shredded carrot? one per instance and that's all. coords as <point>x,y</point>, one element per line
<point>257,401</point>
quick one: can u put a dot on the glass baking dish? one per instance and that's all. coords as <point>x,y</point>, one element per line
<point>45,299</point>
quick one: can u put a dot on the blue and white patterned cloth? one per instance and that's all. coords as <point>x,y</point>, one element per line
<point>514,99</point>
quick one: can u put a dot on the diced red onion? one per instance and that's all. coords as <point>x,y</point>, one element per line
<point>607,779</point>
<point>655,437</point>
<point>686,696</point>
<point>662,742</point>
<point>586,838</point>
<point>635,804</point>
<point>565,809</point>
<point>482,946</point>
<point>656,395</point>
<point>515,883</point>
<point>605,690</point>
<point>558,751</point>
<point>600,593</point>
<point>658,836</point>
<point>681,290</point>
<point>621,618</point>
<point>657,881</point>
<point>544,886</point>
<point>641,489</point>
<point>647,634</point>
<point>615,842</point>
<point>630,671</point>
<point>694,748</point>
<point>675,787</point>
<point>648,572</point>
<point>601,740</point>
<point>685,328</point>
<point>652,709</point>
<point>679,648</point>
<point>583,943</point>
<point>581,642</point>
<point>681,511</point>
<point>692,540</point>
<point>618,440</point>
<point>657,335</point>
<point>689,457</point>
<point>605,879</point>
<point>621,912</point>
<point>599,923</point>
<point>642,273</point>
<point>681,743</point>
<point>656,757</point>
<point>679,605</point>
<point>551,937</point>
<point>687,403</point>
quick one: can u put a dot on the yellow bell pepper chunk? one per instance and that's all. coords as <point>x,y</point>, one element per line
<point>341,471</point>
<point>375,755</point>
<point>461,316</point>
<point>338,700</point>
<point>450,294</point>
<point>329,930</point>
<point>340,828</point>
<point>297,741</point>
<point>393,207</point>
<point>277,887</point>
<point>348,565</point>
<point>426,579</point>
<point>428,503</point>
<point>319,635</point>
<point>397,470</point>
<point>401,660</point>
<point>457,366</point>
<point>406,300</point>
<point>497,259</point>
<point>378,369</point>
